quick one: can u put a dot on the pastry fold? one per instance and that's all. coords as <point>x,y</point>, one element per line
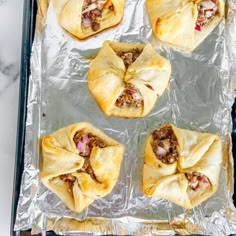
<point>194,175</point>
<point>77,179</point>
<point>42,6</point>
<point>85,19</point>
<point>110,72</point>
<point>175,22</point>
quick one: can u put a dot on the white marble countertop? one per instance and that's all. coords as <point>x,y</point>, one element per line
<point>11,14</point>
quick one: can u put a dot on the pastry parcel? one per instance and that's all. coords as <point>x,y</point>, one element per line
<point>80,164</point>
<point>126,79</point>
<point>184,23</point>
<point>182,166</point>
<point>84,18</point>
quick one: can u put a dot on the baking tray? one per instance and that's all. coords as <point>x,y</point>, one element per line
<point>29,20</point>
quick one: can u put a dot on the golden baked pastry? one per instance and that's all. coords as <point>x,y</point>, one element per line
<point>80,164</point>
<point>126,79</point>
<point>84,18</point>
<point>182,166</point>
<point>42,8</point>
<point>184,24</point>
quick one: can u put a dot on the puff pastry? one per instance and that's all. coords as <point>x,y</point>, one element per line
<point>126,79</point>
<point>184,24</point>
<point>84,18</point>
<point>80,164</point>
<point>182,166</point>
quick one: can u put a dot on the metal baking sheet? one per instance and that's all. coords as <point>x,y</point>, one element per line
<point>200,98</point>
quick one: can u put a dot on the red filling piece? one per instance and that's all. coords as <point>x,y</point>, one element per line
<point>149,86</point>
<point>207,9</point>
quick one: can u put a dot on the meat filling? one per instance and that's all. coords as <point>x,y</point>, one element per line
<point>131,97</point>
<point>92,12</point>
<point>87,168</point>
<point>164,145</point>
<point>129,57</point>
<point>196,181</point>
<point>85,144</point>
<point>207,9</point>
<point>69,180</point>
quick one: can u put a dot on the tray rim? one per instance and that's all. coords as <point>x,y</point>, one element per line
<point>28,26</point>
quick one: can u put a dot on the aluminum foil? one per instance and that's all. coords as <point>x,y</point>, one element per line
<point>200,98</point>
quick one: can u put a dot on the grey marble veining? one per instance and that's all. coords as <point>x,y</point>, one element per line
<point>11,12</point>
<point>9,73</point>
<point>2,2</point>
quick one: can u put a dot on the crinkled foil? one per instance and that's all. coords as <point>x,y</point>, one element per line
<point>200,98</point>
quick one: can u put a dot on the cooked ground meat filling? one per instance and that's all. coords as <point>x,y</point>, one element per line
<point>196,181</point>
<point>131,97</point>
<point>164,145</point>
<point>207,9</point>
<point>93,11</point>
<point>129,57</point>
<point>87,168</point>
<point>85,144</point>
<point>69,180</point>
